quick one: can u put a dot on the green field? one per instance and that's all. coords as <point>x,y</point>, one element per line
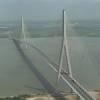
<point>89,28</point>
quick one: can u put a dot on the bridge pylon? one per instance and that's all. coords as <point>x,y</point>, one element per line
<point>64,50</point>
<point>23,31</point>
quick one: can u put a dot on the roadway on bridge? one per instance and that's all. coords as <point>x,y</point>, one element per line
<point>73,84</point>
<point>77,88</point>
<point>46,84</point>
<point>10,71</point>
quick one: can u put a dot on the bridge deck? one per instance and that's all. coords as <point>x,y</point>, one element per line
<point>77,88</point>
<point>50,88</point>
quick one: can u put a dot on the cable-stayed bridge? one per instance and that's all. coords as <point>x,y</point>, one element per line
<point>65,75</point>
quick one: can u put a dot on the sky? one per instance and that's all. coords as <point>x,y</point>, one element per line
<point>49,9</point>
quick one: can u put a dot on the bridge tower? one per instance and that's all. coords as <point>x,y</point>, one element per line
<point>83,94</point>
<point>64,49</point>
<point>23,32</point>
<point>23,28</point>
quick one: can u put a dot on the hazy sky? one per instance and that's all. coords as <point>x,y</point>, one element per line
<point>49,9</point>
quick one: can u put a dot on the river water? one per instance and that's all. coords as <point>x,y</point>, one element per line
<point>17,78</point>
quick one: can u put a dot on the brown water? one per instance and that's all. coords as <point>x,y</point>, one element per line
<point>17,78</point>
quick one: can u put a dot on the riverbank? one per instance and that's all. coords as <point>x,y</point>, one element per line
<point>45,96</point>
